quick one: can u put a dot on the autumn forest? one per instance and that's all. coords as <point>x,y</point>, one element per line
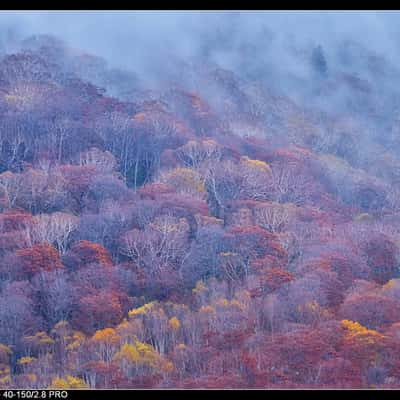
<point>215,230</point>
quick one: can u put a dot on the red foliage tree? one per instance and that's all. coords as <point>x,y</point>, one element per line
<point>152,191</point>
<point>382,258</point>
<point>41,257</point>
<point>340,373</point>
<point>254,242</point>
<point>97,311</point>
<point>14,219</point>
<point>371,310</point>
<point>295,358</point>
<point>273,278</point>
<point>78,180</point>
<point>85,252</point>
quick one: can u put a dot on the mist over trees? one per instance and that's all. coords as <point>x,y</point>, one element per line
<point>227,224</point>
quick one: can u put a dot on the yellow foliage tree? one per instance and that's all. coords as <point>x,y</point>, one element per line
<point>141,310</point>
<point>106,341</point>
<point>41,341</point>
<point>107,335</point>
<point>76,339</point>
<point>139,353</point>
<point>26,360</point>
<point>356,331</point>
<point>70,382</point>
<point>257,164</point>
<point>129,353</point>
<point>174,323</point>
<point>185,181</point>
<point>363,344</point>
<point>142,356</point>
<point>27,363</point>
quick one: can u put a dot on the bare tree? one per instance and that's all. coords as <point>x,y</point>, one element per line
<point>274,216</point>
<point>288,185</point>
<point>103,161</point>
<point>164,242</point>
<point>195,154</point>
<point>55,229</point>
<point>10,188</point>
<point>56,294</point>
<point>62,128</point>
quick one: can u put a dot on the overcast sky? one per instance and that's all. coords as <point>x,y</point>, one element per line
<point>125,38</point>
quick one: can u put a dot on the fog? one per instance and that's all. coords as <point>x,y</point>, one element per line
<point>139,40</point>
<point>274,47</point>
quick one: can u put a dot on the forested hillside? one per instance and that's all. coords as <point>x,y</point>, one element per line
<point>212,232</point>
